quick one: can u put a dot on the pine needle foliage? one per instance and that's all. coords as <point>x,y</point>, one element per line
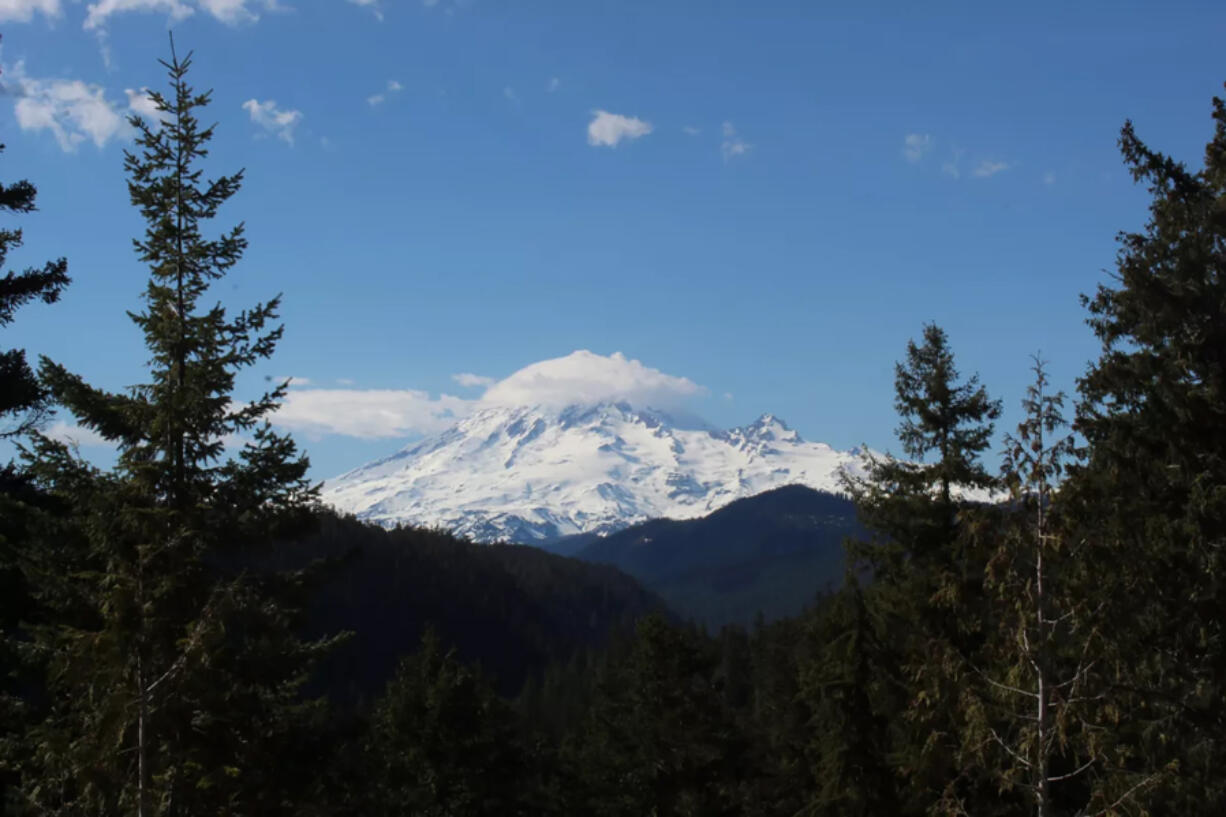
<point>180,691</point>
<point>1151,486</point>
<point>23,400</point>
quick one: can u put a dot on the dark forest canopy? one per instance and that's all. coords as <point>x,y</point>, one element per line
<point>189,633</point>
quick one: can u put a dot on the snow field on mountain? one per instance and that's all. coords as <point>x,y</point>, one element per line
<point>534,473</point>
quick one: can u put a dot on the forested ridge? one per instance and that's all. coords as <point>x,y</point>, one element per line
<point>1042,636</point>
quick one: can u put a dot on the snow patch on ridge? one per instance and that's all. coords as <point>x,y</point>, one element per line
<point>517,473</point>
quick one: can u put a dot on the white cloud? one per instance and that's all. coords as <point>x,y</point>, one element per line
<point>294,382</point>
<point>230,12</point>
<point>22,11</point>
<point>608,129</point>
<point>72,110</point>
<point>470,381</point>
<point>690,130</point>
<point>580,377</point>
<point>554,84</point>
<point>1049,178</point>
<point>988,168</point>
<point>373,5</point>
<point>274,120</point>
<point>97,14</point>
<point>393,87</point>
<point>369,413</point>
<point>732,145</point>
<point>344,381</point>
<point>140,104</point>
<point>915,145</point>
<point>585,377</point>
<point>72,434</point>
<point>508,93</point>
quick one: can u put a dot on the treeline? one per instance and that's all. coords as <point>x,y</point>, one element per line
<point>1046,637</point>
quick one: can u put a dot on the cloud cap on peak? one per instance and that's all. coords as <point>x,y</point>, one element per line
<point>586,377</point>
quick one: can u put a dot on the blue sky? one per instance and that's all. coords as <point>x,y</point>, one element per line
<point>759,200</point>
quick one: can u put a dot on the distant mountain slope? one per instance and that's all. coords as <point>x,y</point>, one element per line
<point>533,474</point>
<point>512,609</point>
<point>770,553</point>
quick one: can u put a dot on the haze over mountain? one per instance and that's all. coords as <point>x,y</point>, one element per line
<point>536,473</point>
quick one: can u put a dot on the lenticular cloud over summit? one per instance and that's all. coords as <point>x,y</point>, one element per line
<point>579,444</point>
<point>580,378</point>
<point>584,378</point>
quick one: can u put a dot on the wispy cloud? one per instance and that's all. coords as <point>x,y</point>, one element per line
<point>98,14</point>
<point>230,12</point>
<point>1049,178</point>
<point>274,120</point>
<point>915,145</point>
<point>553,85</point>
<point>988,168</point>
<point>71,110</point>
<point>472,381</point>
<point>508,93</point>
<point>609,129</point>
<point>22,11</point>
<point>952,166</point>
<point>373,5</point>
<point>392,87</point>
<point>690,130</point>
<point>733,145</point>
<point>72,434</point>
<point>141,104</point>
<point>369,413</point>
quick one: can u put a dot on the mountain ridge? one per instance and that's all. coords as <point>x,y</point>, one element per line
<point>532,474</point>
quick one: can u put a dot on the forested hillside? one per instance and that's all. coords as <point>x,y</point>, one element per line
<point>770,555</point>
<point>173,628</point>
<point>514,610</point>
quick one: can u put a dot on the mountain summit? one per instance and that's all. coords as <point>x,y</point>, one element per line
<point>530,474</point>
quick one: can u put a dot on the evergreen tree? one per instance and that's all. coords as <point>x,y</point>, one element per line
<point>851,695</point>
<point>23,400</point>
<point>442,744</point>
<point>659,740</point>
<point>946,426</point>
<point>179,692</point>
<point>1035,719</point>
<point>23,405</point>
<point>928,586</point>
<point>1152,484</point>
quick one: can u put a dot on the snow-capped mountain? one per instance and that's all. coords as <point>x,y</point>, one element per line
<point>530,474</point>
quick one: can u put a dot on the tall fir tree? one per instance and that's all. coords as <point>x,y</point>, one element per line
<point>180,691</point>
<point>946,425</point>
<point>24,404</point>
<point>1152,484</point>
<point>928,585</point>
